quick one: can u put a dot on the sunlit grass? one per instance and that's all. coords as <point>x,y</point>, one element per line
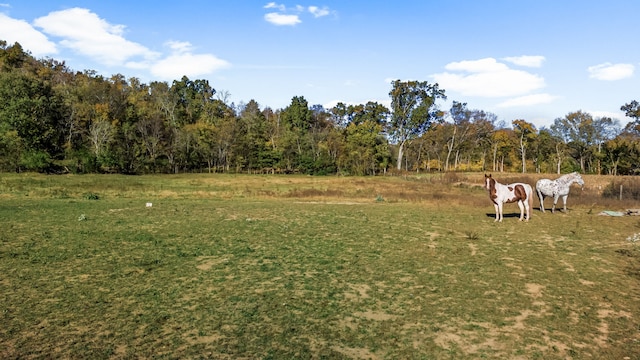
<point>305,267</point>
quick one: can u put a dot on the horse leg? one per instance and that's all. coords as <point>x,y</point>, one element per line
<point>555,201</point>
<point>521,206</point>
<point>541,198</point>
<point>498,211</point>
<point>564,203</point>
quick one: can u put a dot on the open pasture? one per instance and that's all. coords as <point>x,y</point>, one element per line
<point>281,267</point>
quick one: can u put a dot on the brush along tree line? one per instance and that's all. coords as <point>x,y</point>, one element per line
<point>53,119</point>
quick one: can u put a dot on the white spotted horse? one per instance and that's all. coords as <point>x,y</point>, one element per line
<point>499,194</point>
<point>557,188</point>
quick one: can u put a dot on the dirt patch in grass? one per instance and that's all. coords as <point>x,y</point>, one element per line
<point>207,262</point>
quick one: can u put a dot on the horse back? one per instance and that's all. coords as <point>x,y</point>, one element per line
<point>519,192</point>
<point>546,187</point>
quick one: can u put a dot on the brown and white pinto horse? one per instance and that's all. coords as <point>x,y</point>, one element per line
<point>517,192</point>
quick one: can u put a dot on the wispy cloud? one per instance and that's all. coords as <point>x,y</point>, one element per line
<point>318,12</point>
<point>487,78</point>
<point>528,100</point>
<point>273,5</point>
<point>526,60</point>
<point>286,16</point>
<point>611,72</point>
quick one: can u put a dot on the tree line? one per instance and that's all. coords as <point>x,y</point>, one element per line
<point>54,119</point>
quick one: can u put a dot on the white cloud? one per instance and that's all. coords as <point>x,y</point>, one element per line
<point>487,78</point>
<point>528,100</point>
<point>179,46</point>
<point>526,60</point>
<point>12,31</point>
<point>282,19</point>
<point>611,72</point>
<point>182,62</point>
<point>87,34</point>
<point>477,66</point>
<point>192,65</point>
<point>291,16</point>
<point>273,5</point>
<point>318,12</point>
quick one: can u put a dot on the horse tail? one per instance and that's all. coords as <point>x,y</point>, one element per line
<point>531,201</point>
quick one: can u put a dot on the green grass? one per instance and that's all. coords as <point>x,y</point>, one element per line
<point>225,266</point>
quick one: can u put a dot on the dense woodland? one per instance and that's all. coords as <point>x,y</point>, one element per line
<point>56,120</point>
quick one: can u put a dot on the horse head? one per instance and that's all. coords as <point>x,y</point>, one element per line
<point>579,180</point>
<point>489,182</point>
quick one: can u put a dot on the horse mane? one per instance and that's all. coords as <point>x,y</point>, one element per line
<point>567,178</point>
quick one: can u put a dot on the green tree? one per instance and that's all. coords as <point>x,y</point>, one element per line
<point>191,96</point>
<point>204,136</point>
<point>296,121</point>
<point>503,141</point>
<point>365,148</point>
<point>632,110</point>
<point>11,150</point>
<point>460,120</point>
<point>413,111</point>
<point>579,131</point>
<point>616,150</point>
<point>484,124</point>
<point>252,138</point>
<point>526,133</point>
<point>12,57</point>
<point>184,103</point>
<point>34,111</point>
<point>543,151</point>
<point>469,135</point>
<point>605,128</point>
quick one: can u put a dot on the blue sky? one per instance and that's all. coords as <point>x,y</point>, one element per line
<point>534,60</point>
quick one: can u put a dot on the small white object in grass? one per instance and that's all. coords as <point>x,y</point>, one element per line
<point>634,238</point>
<point>149,204</point>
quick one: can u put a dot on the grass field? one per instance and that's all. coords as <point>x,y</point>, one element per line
<point>298,267</point>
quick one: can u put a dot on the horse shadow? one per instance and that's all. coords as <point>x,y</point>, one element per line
<point>504,215</point>
<point>517,214</point>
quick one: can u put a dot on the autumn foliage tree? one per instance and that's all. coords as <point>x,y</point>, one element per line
<point>53,119</point>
